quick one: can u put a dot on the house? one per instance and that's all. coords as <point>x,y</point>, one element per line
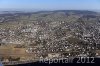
<point>53,55</point>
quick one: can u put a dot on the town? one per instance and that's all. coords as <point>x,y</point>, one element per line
<point>48,35</point>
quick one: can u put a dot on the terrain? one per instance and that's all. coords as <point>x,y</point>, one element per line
<point>30,36</point>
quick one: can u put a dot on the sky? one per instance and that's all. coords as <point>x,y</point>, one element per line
<point>50,4</point>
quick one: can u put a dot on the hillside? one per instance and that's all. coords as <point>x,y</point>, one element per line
<point>62,33</point>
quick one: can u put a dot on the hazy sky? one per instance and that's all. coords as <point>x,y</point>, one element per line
<point>51,4</point>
